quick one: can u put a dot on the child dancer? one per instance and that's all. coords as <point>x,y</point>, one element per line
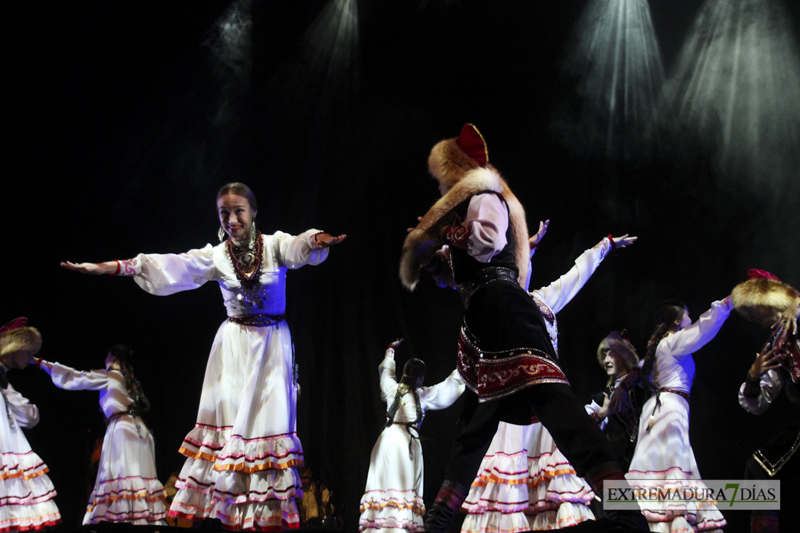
<point>664,457</point>
<point>392,500</point>
<point>26,492</point>
<point>127,488</point>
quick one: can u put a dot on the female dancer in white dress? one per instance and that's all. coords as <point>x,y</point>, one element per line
<point>241,455</point>
<point>524,482</point>
<point>127,488</point>
<point>26,492</point>
<point>664,457</point>
<point>392,500</point>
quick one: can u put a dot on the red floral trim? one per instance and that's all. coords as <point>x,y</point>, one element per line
<point>505,373</point>
<point>457,236</point>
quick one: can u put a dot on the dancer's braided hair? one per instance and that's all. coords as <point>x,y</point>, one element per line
<point>668,313</point>
<point>124,354</point>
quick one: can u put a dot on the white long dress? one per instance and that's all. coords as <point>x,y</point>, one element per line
<point>127,488</point>
<point>524,482</point>
<point>664,456</point>
<point>242,453</point>
<point>26,492</point>
<point>392,500</point>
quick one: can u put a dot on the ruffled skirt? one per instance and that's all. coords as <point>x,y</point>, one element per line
<point>558,497</point>
<point>499,495</point>
<point>242,453</point>
<point>26,492</point>
<point>127,488</point>
<point>664,458</point>
<point>393,496</point>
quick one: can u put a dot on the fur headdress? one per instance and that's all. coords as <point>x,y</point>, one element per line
<point>621,346</point>
<point>766,290</point>
<point>24,338</point>
<point>463,165</point>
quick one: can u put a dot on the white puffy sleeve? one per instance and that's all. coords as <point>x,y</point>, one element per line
<point>295,251</point>
<point>68,378</point>
<point>487,221</point>
<point>386,371</point>
<point>559,293</point>
<point>444,394</point>
<point>694,337</point>
<point>757,401</point>
<point>24,412</point>
<point>165,274</point>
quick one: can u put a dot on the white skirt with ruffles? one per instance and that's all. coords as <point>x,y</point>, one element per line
<point>664,458</point>
<point>558,497</point>
<point>26,492</point>
<point>127,488</point>
<point>392,499</point>
<point>499,495</point>
<point>243,452</point>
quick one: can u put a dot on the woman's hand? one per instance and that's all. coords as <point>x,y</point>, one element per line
<point>409,230</point>
<point>395,344</point>
<point>764,361</point>
<point>534,240</point>
<point>326,240</point>
<point>95,269</point>
<point>624,241</point>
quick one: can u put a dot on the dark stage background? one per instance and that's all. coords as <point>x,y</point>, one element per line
<point>125,117</point>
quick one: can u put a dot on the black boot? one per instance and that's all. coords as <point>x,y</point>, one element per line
<point>440,516</point>
<point>610,471</point>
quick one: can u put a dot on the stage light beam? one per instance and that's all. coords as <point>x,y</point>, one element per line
<point>616,62</point>
<point>736,87</point>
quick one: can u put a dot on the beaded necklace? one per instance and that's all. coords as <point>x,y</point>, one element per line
<point>249,257</point>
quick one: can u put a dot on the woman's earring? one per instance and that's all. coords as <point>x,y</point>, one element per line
<point>221,234</point>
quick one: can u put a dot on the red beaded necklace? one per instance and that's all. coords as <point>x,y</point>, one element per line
<point>248,281</point>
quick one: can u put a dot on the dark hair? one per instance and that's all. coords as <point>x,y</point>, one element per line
<point>124,354</point>
<point>668,313</point>
<point>239,189</point>
<point>412,371</point>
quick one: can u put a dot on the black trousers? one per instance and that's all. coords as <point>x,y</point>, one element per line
<point>555,405</point>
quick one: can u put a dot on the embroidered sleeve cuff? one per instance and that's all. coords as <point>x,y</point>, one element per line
<point>457,236</point>
<point>128,267</point>
<point>312,241</point>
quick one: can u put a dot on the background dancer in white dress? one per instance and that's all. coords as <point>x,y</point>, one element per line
<point>392,500</point>
<point>664,457</point>
<point>127,488</point>
<point>26,492</point>
<point>524,482</point>
<point>242,453</point>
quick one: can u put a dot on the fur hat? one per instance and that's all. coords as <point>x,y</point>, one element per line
<point>462,164</point>
<point>24,338</point>
<point>452,159</point>
<point>764,290</point>
<point>621,346</point>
